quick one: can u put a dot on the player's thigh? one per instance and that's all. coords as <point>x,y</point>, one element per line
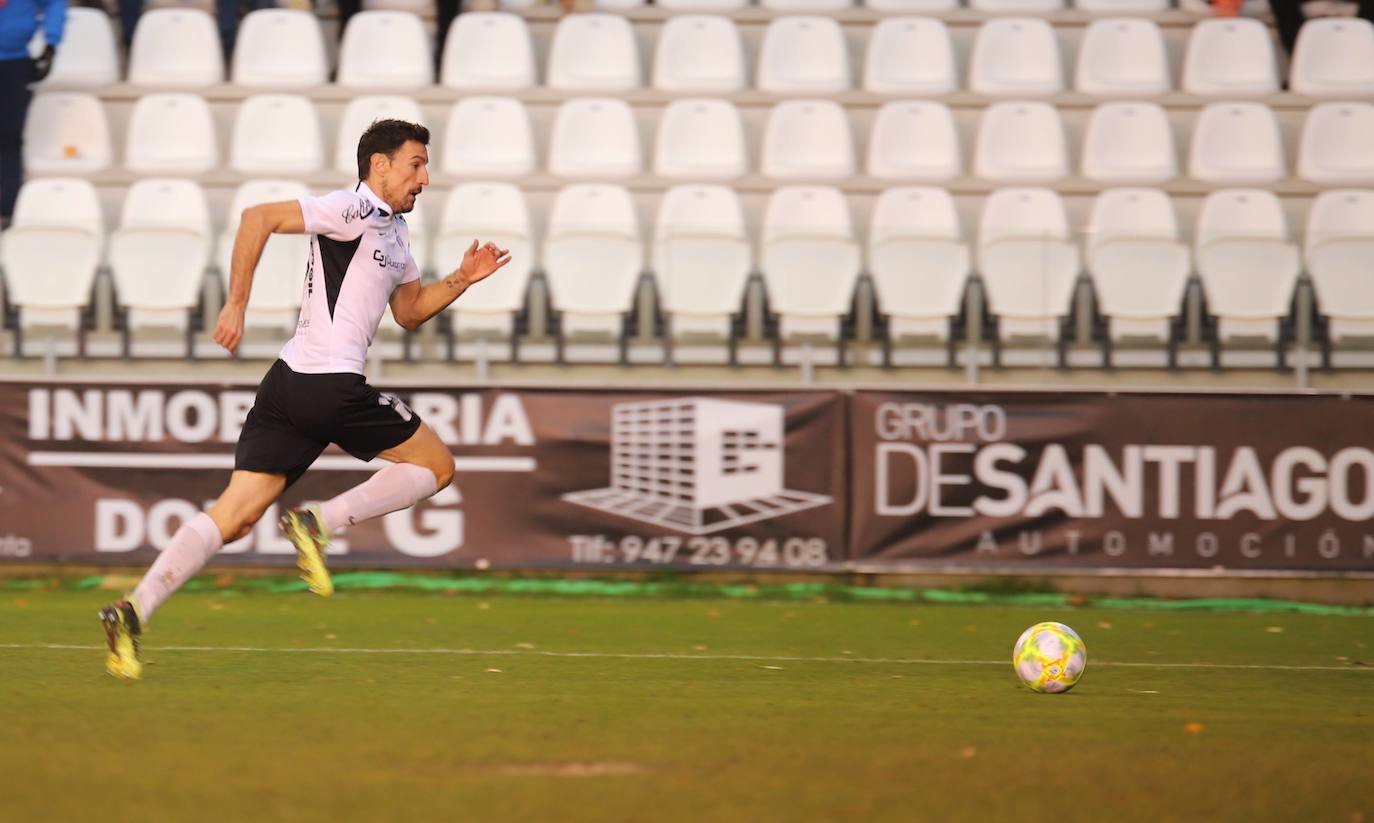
<point>244,500</point>
<point>423,448</point>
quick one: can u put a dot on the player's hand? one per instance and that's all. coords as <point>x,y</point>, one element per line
<point>42,64</point>
<point>229,327</point>
<point>479,263</point>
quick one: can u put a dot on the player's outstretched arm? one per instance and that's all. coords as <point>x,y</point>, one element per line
<point>255,225</point>
<point>413,304</point>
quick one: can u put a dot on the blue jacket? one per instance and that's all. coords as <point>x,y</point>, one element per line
<point>19,20</point>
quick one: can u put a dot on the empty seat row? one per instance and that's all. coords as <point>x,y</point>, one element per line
<point>702,54</point>
<point>897,6</point>
<point>704,139</point>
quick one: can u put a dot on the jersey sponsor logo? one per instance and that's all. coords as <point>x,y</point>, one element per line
<point>360,211</point>
<point>386,261</point>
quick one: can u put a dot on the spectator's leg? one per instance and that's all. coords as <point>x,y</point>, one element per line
<point>14,108</point>
<point>1288,17</point>
<point>446,10</point>
<point>347,8</point>
<point>129,10</point>
<point>228,13</point>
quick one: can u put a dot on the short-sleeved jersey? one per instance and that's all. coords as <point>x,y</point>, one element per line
<point>359,254</point>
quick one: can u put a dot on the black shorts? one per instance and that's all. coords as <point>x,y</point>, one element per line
<point>295,416</point>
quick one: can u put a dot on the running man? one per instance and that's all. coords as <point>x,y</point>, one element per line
<point>315,393</point>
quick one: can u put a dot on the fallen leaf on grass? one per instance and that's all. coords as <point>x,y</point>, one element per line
<point>1193,728</point>
<point>967,752</point>
<point>494,671</point>
<point>1274,629</point>
<point>526,646</point>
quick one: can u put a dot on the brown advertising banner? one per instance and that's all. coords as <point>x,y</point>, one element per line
<point>106,473</point>
<point>1026,480</point>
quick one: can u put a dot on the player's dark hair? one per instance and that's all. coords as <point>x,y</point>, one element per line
<point>385,137</point>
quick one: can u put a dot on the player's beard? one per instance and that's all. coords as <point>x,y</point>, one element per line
<point>407,200</point>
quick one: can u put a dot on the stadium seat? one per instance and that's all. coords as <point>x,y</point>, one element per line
<point>385,50</point>
<point>910,56</point>
<point>594,53</point>
<point>1334,57</point>
<point>1139,268</point>
<point>803,54</point>
<point>158,257</point>
<point>67,133</point>
<point>1340,257</point>
<point>488,51</point>
<point>488,137</point>
<point>806,6</point>
<point>808,140</point>
<point>595,137</point>
<point>1129,143</point>
<point>278,280</point>
<point>1230,56</point>
<point>919,262</point>
<point>1122,57</point>
<point>1016,56</point>
<point>176,48</point>
<point>810,262</point>
<point>914,140</point>
<point>88,56</point>
<point>1248,267</point>
<point>1122,7</point>
<point>1236,143</point>
<point>1028,262</point>
<point>1338,145</point>
<point>1016,6</point>
<point>701,262</point>
<point>494,212</point>
<point>276,134</point>
<point>171,133</point>
<point>700,140</point>
<point>702,5</point>
<point>911,6</point>
<point>1021,142</point>
<point>699,54</point>
<point>593,259</point>
<point>50,254</point>
<point>358,115</point>
<point>280,49</point>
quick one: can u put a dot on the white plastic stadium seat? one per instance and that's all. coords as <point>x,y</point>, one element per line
<point>1122,57</point>
<point>809,258</point>
<point>279,278</point>
<point>1230,56</point>
<point>701,258</point>
<point>1139,267</point>
<point>700,140</point>
<point>51,251</point>
<point>919,261</point>
<point>280,49</point>
<point>159,252</point>
<point>171,133</point>
<point>1021,142</point>
<point>806,6</point>
<point>1236,143</point>
<point>67,133</point>
<point>494,212</point>
<point>385,50</point>
<point>1334,57</point>
<point>488,51</point>
<point>699,54</point>
<point>1028,263</point>
<point>1338,145</point>
<point>88,56</point>
<point>914,140</point>
<point>808,139</point>
<point>595,137</point>
<point>910,55</point>
<point>593,257</point>
<point>360,114</point>
<point>1122,6</point>
<point>1129,142</point>
<point>488,137</point>
<point>1016,6</point>
<point>1248,267</point>
<point>803,54</point>
<point>702,5</point>
<point>1016,56</point>
<point>911,6</point>
<point>1340,257</point>
<point>176,48</point>
<point>594,52</point>
<point>276,134</point>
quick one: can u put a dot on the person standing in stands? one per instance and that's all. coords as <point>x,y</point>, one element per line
<point>19,19</point>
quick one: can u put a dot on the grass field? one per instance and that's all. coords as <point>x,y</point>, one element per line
<point>411,706</point>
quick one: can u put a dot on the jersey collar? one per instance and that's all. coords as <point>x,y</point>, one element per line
<point>382,208</point>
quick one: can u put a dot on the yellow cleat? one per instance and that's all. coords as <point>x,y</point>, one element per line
<point>306,530</point>
<point>122,631</point>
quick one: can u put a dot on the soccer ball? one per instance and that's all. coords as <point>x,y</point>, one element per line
<point>1049,657</point>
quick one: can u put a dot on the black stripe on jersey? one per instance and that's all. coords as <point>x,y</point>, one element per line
<point>336,255</point>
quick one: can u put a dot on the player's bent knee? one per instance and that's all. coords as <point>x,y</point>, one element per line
<point>443,474</point>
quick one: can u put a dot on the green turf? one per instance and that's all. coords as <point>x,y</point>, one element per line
<point>254,735</point>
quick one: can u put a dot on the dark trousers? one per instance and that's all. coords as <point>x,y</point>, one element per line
<point>14,108</point>
<point>1288,18</point>
<point>226,15</point>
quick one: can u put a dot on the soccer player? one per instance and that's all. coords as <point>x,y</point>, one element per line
<point>315,393</point>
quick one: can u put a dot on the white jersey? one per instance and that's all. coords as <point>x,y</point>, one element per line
<point>359,254</point>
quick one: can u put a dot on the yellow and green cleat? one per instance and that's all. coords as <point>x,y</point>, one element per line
<point>306,530</point>
<point>122,630</point>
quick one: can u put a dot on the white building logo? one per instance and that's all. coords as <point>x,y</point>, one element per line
<point>697,465</point>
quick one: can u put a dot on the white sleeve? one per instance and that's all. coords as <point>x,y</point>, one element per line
<point>339,215</point>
